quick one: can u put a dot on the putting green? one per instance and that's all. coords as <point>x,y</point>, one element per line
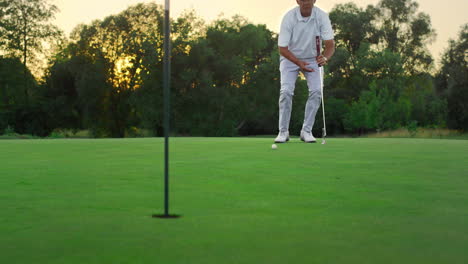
<point>349,201</point>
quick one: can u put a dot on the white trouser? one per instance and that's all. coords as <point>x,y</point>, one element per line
<point>289,72</point>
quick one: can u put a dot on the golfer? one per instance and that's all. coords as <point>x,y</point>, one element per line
<point>297,47</point>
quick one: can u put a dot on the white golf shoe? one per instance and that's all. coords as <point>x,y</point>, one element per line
<point>282,137</point>
<point>307,137</point>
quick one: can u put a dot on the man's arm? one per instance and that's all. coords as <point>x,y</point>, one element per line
<point>327,53</point>
<point>284,51</point>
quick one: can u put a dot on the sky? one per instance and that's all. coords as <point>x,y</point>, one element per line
<point>447,17</point>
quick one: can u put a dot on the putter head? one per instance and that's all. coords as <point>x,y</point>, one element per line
<point>323,141</point>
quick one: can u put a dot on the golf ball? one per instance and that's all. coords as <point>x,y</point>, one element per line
<point>274,146</point>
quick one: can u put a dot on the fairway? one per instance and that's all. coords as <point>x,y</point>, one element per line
<point>353,200</point>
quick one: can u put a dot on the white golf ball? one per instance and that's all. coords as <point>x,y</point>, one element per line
<point>274,146</point>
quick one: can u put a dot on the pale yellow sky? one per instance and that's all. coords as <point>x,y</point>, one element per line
<point>446,16</point>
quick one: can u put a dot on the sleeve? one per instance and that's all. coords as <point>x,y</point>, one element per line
<point>326,30</point>
<point>285,32</point>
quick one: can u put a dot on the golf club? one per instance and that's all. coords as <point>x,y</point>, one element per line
<point>324,129</point>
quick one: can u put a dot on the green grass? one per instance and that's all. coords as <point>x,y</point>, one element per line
<point>428,133</point>
<point>359,200</point>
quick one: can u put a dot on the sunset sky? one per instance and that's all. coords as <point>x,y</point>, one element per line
<point>446,16</point>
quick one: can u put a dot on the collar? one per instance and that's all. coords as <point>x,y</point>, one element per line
<point>300,18</point>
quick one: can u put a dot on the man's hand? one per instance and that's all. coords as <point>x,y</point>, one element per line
<point>303,66</point>
<point>322,60</point>
<point>284,51</point>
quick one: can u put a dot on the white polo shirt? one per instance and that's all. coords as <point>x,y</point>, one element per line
<point>298,33</point>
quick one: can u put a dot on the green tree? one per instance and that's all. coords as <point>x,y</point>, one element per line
<point>353,26</point>
<point>259,113</point>
<point>25,25</point>
<point>376,110</point>
<point>106,62</point>
<point>16,111</point>
<point>428,109</point>
<point>381,104</point>
<point>452,80</point>
<point>381,58</point>
<point>405,31</point>
<point>12,86</point>
<point>214,80</point>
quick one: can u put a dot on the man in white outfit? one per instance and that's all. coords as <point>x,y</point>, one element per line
<point>297,47</point>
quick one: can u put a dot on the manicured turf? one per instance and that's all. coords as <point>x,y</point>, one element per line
<point>350,201</point>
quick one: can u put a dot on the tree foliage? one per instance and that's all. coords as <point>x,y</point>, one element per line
<point>20,99</point>
<point>453,80</point>
<point>107,78</point>
<point>24,26</point>
<point>404,31</point>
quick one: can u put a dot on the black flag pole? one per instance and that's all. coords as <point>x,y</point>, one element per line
<point>166,80</point>
<point>167,107</point>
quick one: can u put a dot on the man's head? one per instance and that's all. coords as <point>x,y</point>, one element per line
<point>306,5</point>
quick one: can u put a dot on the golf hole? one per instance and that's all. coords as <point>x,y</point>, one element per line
<point>166,216</point>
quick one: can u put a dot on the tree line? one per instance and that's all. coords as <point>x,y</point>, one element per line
<point>106,77</point>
